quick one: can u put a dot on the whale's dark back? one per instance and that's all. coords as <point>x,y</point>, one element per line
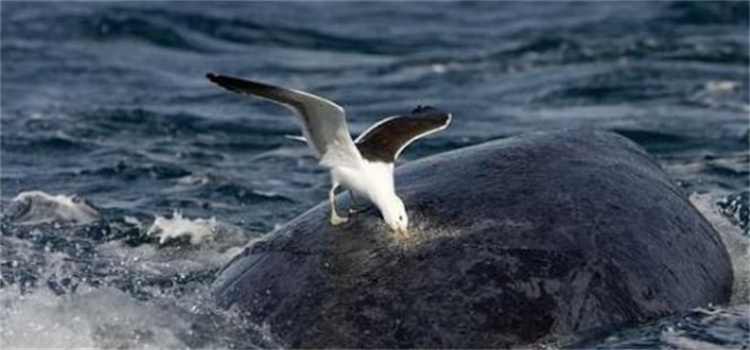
<point>515,241</point>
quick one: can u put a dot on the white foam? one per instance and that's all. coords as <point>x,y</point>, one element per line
<point>168,262</point>
<point>198,230</point>
<point>93,318</point>
<point>211,244</point>
<point>193,180</point>
<point>721,85</point>
<point>737,245</point>
<point>107,317</point>
<point>37,207</point>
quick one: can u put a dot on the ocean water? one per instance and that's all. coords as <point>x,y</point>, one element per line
<point>128,179</point>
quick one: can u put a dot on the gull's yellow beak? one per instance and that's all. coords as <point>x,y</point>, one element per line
<point>401,232</point>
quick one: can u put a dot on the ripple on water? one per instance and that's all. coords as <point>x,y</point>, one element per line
<point>701,328</point>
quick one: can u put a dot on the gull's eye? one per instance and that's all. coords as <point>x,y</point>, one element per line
<point>400,218</point>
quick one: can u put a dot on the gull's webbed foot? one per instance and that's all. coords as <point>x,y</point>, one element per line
<point>336,219</point>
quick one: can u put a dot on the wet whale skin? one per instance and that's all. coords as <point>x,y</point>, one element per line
<point>513,242</point>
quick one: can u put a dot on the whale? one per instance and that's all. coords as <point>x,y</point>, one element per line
<point>512,243</point>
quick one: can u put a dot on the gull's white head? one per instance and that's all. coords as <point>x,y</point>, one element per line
<point>394,214</point>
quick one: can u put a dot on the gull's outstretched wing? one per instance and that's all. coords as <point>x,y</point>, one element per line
<point>324,122</point>
<point>385,140</point>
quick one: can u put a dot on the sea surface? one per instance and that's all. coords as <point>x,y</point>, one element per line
<point>128,179</point>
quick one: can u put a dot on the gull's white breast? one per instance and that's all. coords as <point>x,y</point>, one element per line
<point>372,180</point>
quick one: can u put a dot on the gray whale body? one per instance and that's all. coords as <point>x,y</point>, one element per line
<point>514,242</point>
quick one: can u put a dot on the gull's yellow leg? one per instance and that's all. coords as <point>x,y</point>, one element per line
<point>335,218</point>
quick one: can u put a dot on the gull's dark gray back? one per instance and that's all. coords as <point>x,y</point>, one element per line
<point>385,140</point>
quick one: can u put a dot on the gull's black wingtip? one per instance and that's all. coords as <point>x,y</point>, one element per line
<point>224,81</point>
<point>212,76</point>
<point>250,87</point>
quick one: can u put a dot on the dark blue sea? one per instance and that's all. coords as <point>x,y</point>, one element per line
<point>128,179</point>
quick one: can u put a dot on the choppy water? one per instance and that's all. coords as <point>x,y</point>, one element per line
<point>109,101</point>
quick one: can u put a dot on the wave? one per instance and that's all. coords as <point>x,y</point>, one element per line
<point>37,207</point>
<point>703,13</point>
<point>185,31</point>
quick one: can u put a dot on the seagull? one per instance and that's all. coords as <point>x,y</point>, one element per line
<point>365,165</point>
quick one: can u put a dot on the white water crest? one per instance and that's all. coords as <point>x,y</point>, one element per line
<point>142,297</point>
<point>37,207</point>
<point>91,318</point>
<point>737,244</point>
<point>108,318</point>
<point>198,230</point>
